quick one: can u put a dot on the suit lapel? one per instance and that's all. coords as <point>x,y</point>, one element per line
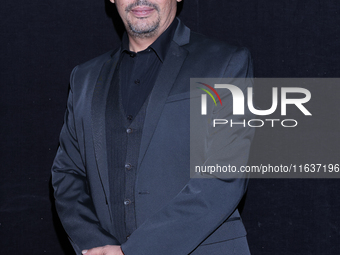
<point>98,118</point>
<point>165,80</point>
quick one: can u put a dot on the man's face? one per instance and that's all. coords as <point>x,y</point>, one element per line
<point>146,18</point>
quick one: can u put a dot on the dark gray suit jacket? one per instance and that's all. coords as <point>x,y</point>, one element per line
<point>175,215</point>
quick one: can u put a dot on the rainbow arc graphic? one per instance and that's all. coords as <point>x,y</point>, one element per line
<point>204,97</point>
<point>209,93</point>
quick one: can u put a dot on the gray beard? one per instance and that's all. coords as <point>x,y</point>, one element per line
<point>146,31</point>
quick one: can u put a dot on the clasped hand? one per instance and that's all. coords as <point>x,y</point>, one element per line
<point>104,250</point>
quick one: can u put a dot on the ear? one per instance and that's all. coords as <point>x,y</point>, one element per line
<point>112,1</point>
<point>177,1</point>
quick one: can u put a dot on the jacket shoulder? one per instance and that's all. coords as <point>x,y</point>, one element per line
<point>211,45</point>
<point>96,62</point>
<point>85,75</point>
<point>224,60</point>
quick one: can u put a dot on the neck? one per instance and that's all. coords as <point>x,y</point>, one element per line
<point>137,44</point>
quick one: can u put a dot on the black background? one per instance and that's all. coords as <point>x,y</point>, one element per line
<point>41,41</point>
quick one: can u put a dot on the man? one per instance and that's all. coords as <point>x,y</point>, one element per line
<point>121,173</point>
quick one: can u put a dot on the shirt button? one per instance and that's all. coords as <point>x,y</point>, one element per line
<point>129,130</point>
<point>127,202</point>
<point>137,81</point>
<point>129,117</point>
<point>128,166</point>
<point>132,55</point>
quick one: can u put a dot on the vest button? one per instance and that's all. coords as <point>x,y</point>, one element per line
<point>129,130</point>
<point>128,166</point>
<point>127,201</point>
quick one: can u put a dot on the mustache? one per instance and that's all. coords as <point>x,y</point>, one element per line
<point>140,3</point>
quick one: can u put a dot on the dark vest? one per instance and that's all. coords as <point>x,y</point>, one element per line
<point>123,138</point>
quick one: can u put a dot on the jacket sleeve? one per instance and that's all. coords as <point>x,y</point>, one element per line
<point>203,204</point>
<point>72,199</point>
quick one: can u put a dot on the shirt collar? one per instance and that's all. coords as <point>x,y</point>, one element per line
<point>160,46</point>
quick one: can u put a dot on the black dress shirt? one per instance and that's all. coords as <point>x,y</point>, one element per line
<point>138,71</point>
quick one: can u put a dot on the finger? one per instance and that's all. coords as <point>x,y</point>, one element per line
<point>93,251</point>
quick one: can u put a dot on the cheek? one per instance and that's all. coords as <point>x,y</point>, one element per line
<point>121,10</point>
<point>165,5</point>
<point>167,8</point>
<point>122,4</point>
